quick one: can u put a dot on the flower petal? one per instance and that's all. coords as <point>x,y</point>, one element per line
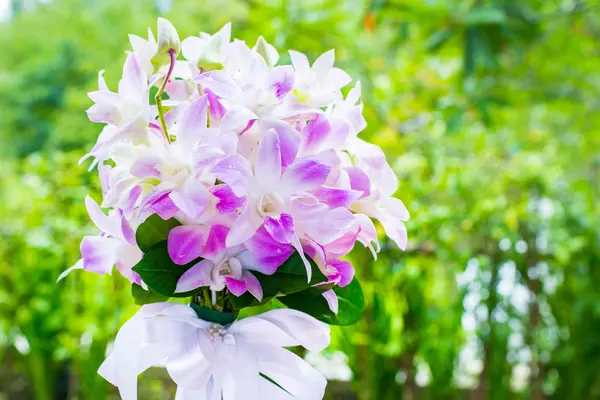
<point>280,228</point>
<point>305,174</point>
<point>289,139</point>
<point>191,121</point>
<point>281,80</point>
<point>99,253</point>
<point>134,82</point>
<point>215,243</point>
<point>245,226</point>
<point>220,83</point>
<point>146,167</point>
<point>344,272</point>
<point>237,287</point>
<point>323,64</point>
<point>332,300</point>
<point>264,254</point>
<point>267,170</point>
<point>253,285</point>
<point>192,198</point>
<point>106,224</point>
<point>235,171</point>
<point>315,133</point>
<point>195,277</point>
<point>216,109</point>
<point>184,243</point>
<point>227,201</point>
<point>335,197</point>
<point>359,180</point>
<point>163,206</point>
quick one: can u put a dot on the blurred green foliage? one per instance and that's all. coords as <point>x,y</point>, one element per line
<point>489,113</point>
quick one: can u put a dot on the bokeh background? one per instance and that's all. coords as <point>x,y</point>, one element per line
<point>489,111</point>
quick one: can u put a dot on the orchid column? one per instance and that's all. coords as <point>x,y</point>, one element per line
<point>231,180</point>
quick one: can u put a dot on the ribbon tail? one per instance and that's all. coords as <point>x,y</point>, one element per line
<point>131,355</point>
<point>292,373</point>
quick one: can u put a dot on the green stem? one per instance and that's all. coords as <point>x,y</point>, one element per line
<point>158,97</point>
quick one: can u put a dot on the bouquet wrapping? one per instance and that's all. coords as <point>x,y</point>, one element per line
<point>229,180</point>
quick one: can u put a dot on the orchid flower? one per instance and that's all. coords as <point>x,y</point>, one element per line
<point>127,112</point>
<point>213,362</point>
<point>319,84</point>
<point>221,266</point>
<point>207,51</point>
<point>114,246</point>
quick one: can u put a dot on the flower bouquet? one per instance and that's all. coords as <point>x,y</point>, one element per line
<point>230,181</point>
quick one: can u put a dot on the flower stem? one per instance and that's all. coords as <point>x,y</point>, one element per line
<point>158,97</point>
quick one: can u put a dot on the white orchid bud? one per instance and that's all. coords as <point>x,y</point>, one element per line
<point>267,51</point>
<point>168,40</point>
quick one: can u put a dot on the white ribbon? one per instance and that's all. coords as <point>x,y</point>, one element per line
<point>210,362</point>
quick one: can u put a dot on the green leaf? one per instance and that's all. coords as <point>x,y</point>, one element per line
<point>160,273</point>
<point>206,314</point>
<point>154,230</point>
<point>484,16</point>
<point>438,39</point>
<point>141,296</point>
<point>290,278</point>
<point>350,298</point>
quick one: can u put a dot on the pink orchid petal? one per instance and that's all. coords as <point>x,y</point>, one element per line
<point>227,201</point>
<point>164,206</point>
<point>298,246</point>
<point>335,197</point>
<point>245,226</point>
<point>238,119</point>
<point>126,231</point>
<point>146,167</point>
<point>184,243</point>
<point>253,285</point>
<point>342,246</point>
<point>215,243</point>
<point>289,139</point>
<point>281,80</point>
<point>205,155</point>
<point>305,174</point>
<point>220,83</point>
<point>191,198</point>
<point>280,228</point>
<point>344,272</point>
<point>332,300</point>
<point>216,109</point>
<point>267,170</point>
<point>323,224</point>
<point>359,181</point>
<point>235,171</point>
<point>191,121</point>
<point>264,254</point>
<point>315,133</point>
<point>106,110</point>
<point>99,253</point>
<point>367,234</point>
<point>132,198</point>
<point>237,287</point>
<point>106,224</point>
<point>195,277</point>
<point>134,82</point>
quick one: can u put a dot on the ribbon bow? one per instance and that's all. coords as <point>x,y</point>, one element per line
<point>243,361</point>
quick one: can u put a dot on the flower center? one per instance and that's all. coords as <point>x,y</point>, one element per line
<point>230,267</point>
<point>270,204</point>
